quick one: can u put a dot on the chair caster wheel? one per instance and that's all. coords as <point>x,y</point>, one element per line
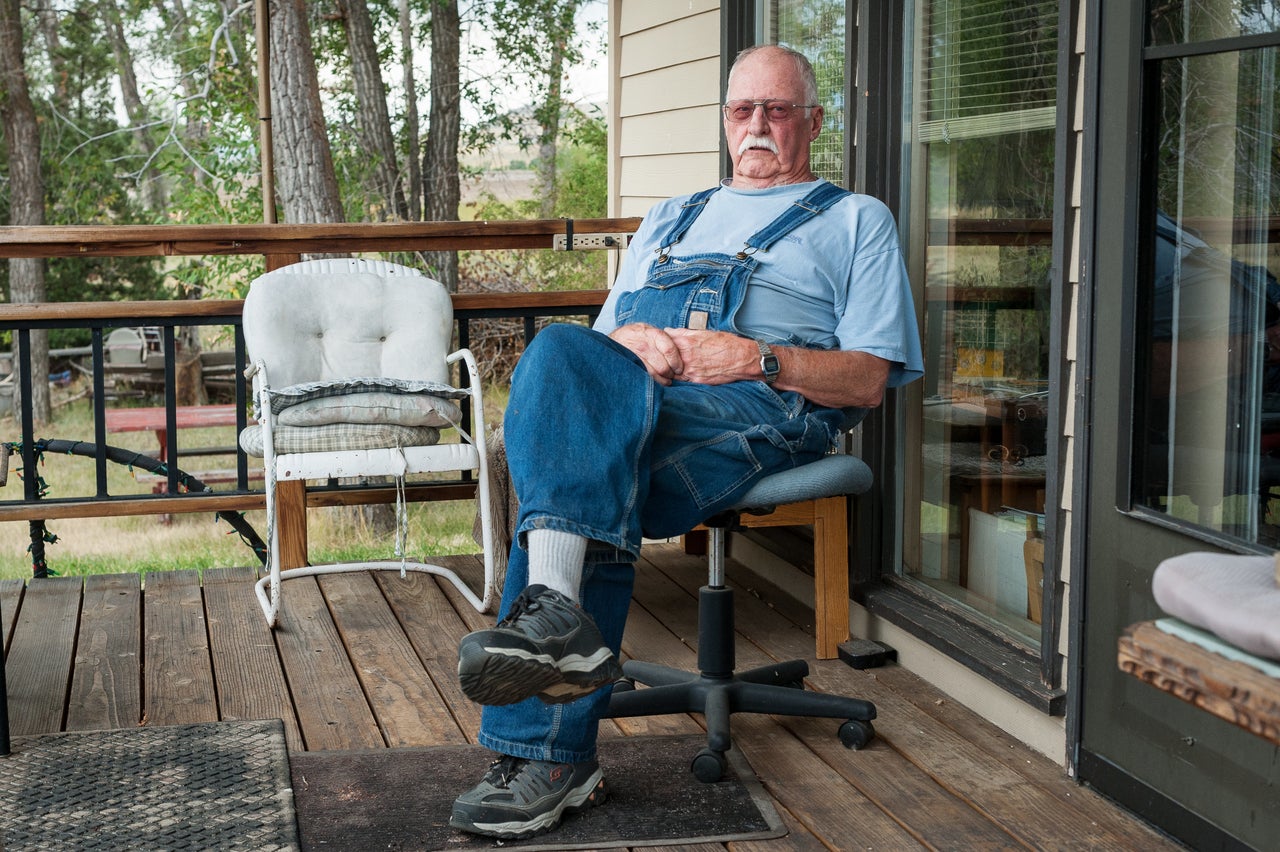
<point>856,733</point>
<point>708,766</point>
<point>624,684</point>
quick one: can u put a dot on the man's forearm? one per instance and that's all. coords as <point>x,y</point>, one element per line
<point>835,379</point>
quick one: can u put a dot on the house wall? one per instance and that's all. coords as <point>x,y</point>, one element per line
<point>664,141</point>
<point>664,92</point>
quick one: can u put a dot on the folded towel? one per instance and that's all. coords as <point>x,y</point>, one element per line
<point>1233,597</point>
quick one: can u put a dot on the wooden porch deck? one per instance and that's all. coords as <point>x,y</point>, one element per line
<point>369,662</point>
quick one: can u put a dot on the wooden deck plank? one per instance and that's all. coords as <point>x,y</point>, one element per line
<point>178,671</point>
<point>797,839</point>
<point>937,775</point>
<point>901,790</point>
<point>961,768</point>
<point>38,666</point>
<point>10,599</point>
<point>434,628</point>
<point>409,709</point>
<point>331,706</point>
<point>246,666</point>
<point>814,792</point>
<point>792,766</point>
<point>106,689</point>
<point>1002,748</point>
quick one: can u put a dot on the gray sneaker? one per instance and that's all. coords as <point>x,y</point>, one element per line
<point>546,646</point>
<point>519,798</point>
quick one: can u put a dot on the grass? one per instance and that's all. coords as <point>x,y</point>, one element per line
<point>189,541</point>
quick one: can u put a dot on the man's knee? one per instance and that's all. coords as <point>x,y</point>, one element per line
<point>562,346</point>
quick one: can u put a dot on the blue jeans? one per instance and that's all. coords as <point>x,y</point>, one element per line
<point>597,448</point>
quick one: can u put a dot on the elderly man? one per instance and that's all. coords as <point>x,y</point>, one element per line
<point>748,324</point>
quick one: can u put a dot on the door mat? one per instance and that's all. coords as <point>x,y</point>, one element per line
<point>401,799</point>
<point>223,785</point>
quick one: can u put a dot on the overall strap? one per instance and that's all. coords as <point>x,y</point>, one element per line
<point>689,211</point>
<point>819,198</point>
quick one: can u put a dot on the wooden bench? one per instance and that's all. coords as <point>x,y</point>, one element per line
<point>1229,689</point>
<point>160,482</point>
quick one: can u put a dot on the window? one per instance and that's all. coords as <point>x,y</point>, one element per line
<point>817,29</point>
<point>981,101</point>
<point>1207,432</point>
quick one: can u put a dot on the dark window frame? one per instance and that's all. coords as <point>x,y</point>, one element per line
<point>874,75</point>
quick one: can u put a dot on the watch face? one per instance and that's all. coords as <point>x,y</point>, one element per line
<point>768,362</point>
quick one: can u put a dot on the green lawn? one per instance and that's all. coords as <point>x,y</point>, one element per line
<point>146,543</point>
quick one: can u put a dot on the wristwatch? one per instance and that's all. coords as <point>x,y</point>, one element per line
<point>768,362</point>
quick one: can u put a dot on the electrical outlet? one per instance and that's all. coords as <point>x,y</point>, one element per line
<point>592,241</point>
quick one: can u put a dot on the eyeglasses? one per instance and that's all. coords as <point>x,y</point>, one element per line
<point>777,111</point>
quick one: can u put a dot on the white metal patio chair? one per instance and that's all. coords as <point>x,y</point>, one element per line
<point>351,378</point>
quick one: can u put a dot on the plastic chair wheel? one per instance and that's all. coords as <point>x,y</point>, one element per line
<point>708,766</point>
<point>856,733</point>
<point>624,684</point>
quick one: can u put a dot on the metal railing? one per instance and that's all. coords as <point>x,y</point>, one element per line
<point>280,244</point>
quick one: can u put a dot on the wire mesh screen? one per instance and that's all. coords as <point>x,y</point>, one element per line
<point>818,31</point>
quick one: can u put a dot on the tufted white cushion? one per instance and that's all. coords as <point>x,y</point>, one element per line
<point>395,324</point>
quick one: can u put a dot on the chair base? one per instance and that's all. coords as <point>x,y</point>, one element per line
<point>717,692</point>
<point>269,590</point>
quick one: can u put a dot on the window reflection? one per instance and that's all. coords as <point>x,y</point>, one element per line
<point>1208,432</point>
<point>982,166</point>
<point>1181,21</point>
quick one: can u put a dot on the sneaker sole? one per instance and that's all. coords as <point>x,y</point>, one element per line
<point>594,792</point>
<point>499,676</point>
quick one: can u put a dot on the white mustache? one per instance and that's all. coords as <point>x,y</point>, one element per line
<point>757,142</point>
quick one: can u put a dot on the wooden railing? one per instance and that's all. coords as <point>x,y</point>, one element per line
<point>279,244</point>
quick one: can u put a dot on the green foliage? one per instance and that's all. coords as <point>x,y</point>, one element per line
<point>582,169</point>
<point>197,79</point>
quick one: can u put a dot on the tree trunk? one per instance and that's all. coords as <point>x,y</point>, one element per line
<point>150,180</point>
<point>413,171</point>
<point>549,113</point>
<point>371,98</point>
<point>26,193</point>
<point>47,22</point>
<point>441,191</point>
<point>305,179</point>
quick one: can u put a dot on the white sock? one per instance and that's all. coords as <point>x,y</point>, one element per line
<point>555,560</point>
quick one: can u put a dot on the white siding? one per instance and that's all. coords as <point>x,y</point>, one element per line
<point>664,129</point>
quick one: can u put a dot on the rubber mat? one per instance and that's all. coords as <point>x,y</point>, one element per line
<point>223,785</point>
<point>401,798</point>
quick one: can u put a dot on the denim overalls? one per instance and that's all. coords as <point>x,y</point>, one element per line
<point>688,451</point>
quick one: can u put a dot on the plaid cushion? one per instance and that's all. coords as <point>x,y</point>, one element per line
<point>294,394</point>
<point>402,409</point>
<point>337,437</point>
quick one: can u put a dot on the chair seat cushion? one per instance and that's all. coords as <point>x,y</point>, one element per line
<point>292,395</point>
<point>336,437</point>
<point>408,409</point>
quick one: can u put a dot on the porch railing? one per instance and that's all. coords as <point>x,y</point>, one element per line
<point>280,244</point>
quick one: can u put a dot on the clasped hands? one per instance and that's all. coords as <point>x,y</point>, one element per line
<point>691,355</point>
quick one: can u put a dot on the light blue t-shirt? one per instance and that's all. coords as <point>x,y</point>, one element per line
<point>836,282</point>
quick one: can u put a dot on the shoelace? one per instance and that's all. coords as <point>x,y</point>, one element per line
<point>505,769</point>
<point>519,607</point>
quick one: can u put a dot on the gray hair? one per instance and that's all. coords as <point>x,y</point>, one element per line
<point>803,67</point>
